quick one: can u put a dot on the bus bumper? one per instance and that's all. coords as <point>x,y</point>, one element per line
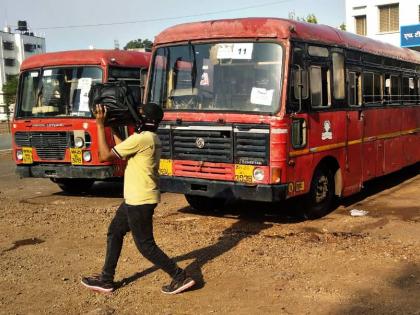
<point>222,189</point>
<point>65,171</point>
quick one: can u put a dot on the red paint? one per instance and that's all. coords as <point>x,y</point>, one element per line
<point>100,58</point>
<point>366,147</point>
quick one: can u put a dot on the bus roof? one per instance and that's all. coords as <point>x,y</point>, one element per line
<point>88,57</point>
<point>281,29</point>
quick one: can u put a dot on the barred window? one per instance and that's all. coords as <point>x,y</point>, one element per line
<point>360,22</point>
<point>389,18</point>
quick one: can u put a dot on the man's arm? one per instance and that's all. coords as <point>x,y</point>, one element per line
<point>105,153</point>
<point>117,136</point>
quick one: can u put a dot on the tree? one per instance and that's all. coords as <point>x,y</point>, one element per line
<point>343,27</point>
<point>310,18</point>
<point>10,89</point>
<point>139,43</point>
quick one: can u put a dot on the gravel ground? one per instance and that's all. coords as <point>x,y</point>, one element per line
<point>251,258</point>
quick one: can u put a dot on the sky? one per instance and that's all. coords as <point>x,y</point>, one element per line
<point>75,24</point>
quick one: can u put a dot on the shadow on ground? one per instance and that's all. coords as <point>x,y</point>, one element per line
<point>401,296</point>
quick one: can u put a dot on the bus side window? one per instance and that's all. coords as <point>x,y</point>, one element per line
<point>408,90</point>
<point>372,90</point>
<point>395,89</point>
<point>320,84</point>
<point>338,75</point>
<point>355,91</point>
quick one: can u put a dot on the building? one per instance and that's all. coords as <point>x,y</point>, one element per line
<point>392,21</point>
<point>14,48</point>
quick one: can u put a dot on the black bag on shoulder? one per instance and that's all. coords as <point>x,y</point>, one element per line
<point>118,100</point>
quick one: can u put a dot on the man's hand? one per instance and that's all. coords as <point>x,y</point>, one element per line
<point>100,114</point>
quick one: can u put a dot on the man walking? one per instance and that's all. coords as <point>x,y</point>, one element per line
<point>141,196</point>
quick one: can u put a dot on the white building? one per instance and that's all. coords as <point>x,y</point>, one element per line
<point>384,19</point>
<point>14,48</point>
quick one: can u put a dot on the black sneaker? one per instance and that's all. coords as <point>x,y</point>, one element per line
<point>96,283</point>
<point>178,286</point>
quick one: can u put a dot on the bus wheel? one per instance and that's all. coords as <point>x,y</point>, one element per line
<point>202,203</point>
<point>321,195</point>
<point>74,185</point>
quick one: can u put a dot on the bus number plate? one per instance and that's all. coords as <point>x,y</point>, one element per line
<point>76,156</point>
<point>243,173</point>
<point>165,167</point>
<point>27,155</point>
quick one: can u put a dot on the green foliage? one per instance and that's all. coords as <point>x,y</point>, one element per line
<point>310,18</point>
<point>10,90</point>
<point>139,43</point>
<point>343,27</point>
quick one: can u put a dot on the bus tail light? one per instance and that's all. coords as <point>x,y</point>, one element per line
<point>19,155</point>
<point>276,175</point>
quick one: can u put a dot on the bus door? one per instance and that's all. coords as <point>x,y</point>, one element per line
<point>354,162</point>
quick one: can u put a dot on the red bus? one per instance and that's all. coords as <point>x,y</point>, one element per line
<point>266,109</point>
<point>53,131</point>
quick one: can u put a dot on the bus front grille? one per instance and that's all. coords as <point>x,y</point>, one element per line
<point>48,145</point>
<point>206,144</point>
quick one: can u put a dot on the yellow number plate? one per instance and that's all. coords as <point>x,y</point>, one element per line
<point>27,155</point>
<point>165,167</point>
<point>76,156</point>
<point>243,173</point>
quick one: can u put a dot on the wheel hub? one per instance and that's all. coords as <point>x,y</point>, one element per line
<point>321,189</point>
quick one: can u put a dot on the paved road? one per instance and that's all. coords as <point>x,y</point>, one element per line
<point>5,141</point>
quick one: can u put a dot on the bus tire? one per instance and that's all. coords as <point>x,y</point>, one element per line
<point>205,204</point>
<point>74,185</point>
<point>320,198</point>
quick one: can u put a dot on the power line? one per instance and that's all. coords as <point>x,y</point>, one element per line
<point>164,18</point>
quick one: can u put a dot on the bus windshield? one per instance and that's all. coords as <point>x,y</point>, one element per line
<point>218,77</point>
<point>57,92</point>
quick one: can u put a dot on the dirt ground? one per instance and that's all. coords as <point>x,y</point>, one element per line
<point>251,258</point>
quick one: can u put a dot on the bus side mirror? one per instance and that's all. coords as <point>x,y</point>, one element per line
<point>300,77</point>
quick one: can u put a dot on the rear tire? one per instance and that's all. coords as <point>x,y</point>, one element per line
<point>74,185</point>
<point>320,198</point>
<point>205,204</point>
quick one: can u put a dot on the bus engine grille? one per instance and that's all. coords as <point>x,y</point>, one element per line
<point>48,145</point>
<point>212,145</point>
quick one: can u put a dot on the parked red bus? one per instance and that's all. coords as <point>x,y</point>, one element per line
<point>54,132</point>
<point>267,109</point>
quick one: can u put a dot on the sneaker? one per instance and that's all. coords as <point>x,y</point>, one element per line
<point>178,286</point>
<point>96,283</point>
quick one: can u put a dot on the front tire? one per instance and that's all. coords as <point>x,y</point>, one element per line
<point>205,204</point>
<point>74,185</point>
<point>320,198</point>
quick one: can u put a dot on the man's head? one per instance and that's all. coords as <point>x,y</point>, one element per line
<point>150,115</point>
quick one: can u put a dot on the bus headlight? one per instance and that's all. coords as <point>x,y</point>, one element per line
<point>87,156</point>
<point>19,155</point>
<point>258,174</point>
<point>79,142</point>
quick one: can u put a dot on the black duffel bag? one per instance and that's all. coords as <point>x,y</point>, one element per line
<point>120,105</point>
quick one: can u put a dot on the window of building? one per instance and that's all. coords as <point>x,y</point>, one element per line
<point>360,22</point>
<point>389,18</point>
<point>29,47</point>
<point>9,62</point>
<point>8,45</point>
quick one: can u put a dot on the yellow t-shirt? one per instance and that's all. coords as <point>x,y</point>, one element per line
<point>141,177</point>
